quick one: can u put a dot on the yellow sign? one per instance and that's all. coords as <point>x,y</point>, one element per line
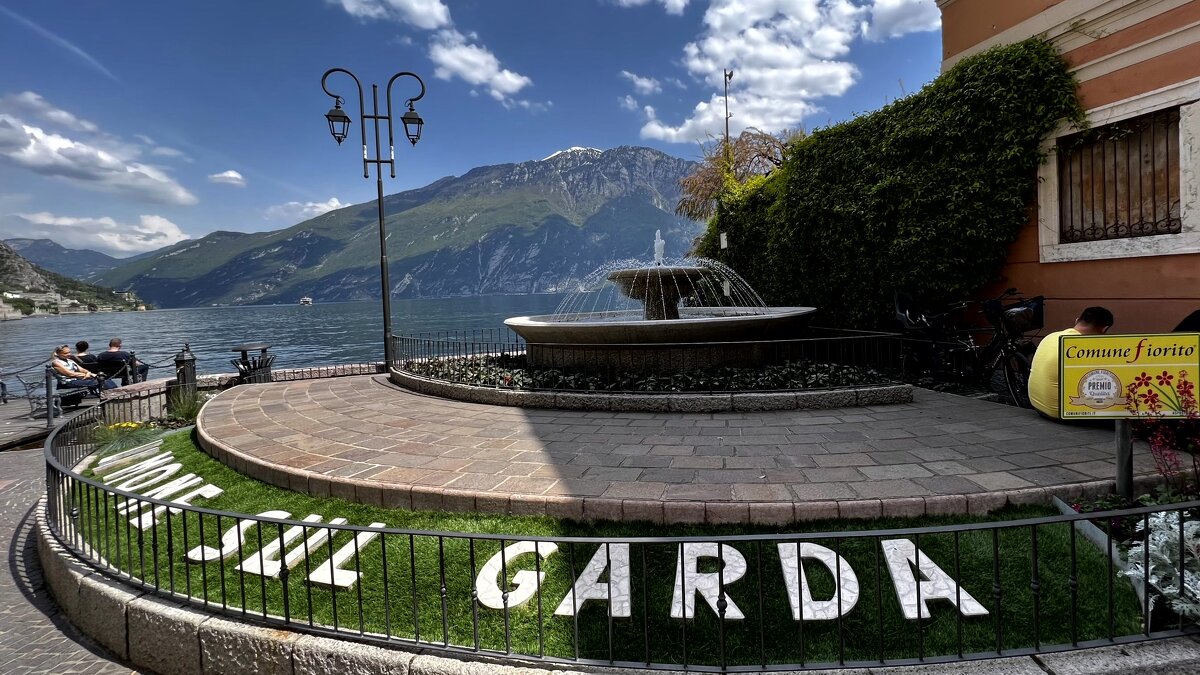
<point>1125,376</point>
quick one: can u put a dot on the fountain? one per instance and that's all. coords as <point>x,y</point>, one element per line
<point>693,312</point>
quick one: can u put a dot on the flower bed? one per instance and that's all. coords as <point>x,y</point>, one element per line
<point>512,372</point>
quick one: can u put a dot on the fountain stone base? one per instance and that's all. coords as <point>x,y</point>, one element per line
<point>701,338</point>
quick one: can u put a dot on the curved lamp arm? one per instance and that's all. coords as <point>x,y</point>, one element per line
<point>362,127</point>
<point>409,103</point>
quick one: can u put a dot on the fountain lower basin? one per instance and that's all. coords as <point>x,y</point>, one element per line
<point>702,337</point>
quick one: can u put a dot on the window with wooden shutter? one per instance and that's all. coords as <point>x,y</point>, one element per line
<point>1120,180</point>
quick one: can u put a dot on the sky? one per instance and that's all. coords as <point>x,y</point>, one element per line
<point>127,126</point>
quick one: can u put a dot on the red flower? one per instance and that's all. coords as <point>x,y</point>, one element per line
<point>1132,388</point>
<point>1150,398</point>
<point>1185,388</point>
<point>1142,380</point>
<point>1165,379</point>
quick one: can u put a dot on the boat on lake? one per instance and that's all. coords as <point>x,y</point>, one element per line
<point>306,300</point>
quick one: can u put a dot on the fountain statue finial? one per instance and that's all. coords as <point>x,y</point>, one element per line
<point>659,247</point>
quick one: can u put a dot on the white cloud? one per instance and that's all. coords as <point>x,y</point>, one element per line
<point>30,103</point>
<point>642,85</point>
<point>785,54</point>
<point>102,234</point>
<point>893,18</point>
<point>59,42</point>
<point>672,6</point>
<point>229,177</point>
<point>454,56</point>
<point>424,14</point>
<point>300,211</point>
<point>161,150</point>
<point>88,164</point>
<point>628,102</point>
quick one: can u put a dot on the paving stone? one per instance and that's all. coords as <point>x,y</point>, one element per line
<point>847,459</point>
<point>455,453</point>
<point>902,487</point>
<point>895,471</point>
<point>840,475</point>
<point>999,480</point>
<point>817,492</point>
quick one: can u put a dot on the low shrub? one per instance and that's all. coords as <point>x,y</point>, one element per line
<point>513,372</point>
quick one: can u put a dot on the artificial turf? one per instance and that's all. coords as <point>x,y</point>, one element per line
<point>429,581</point>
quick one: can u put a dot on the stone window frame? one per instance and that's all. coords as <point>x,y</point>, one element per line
<point>1185,95</point>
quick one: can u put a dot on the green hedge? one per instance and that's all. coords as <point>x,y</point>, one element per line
<point>924,195</point>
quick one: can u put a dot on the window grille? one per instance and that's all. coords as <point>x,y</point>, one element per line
<point>1121,180</point>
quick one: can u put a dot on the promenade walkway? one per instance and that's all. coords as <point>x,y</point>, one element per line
<point>366,439</point>
<point>34,636</point>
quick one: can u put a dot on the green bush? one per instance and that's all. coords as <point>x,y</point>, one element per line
<point>924,195</point>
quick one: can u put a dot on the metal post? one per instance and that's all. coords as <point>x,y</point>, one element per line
<point>1124,437</point>
<point>185,369</point>
<point>51,394</point>
<point>132,368</point>
<point>378,160</point>
<point>383,258</point>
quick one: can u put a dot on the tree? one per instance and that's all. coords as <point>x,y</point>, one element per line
<point>752,153</point>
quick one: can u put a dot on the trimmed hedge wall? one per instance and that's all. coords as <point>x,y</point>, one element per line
<point>923,195</point>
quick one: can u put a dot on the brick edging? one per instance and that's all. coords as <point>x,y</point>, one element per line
<point>659,401</point>
<point>591,509</point>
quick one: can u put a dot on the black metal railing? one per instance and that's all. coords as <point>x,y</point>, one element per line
<point>749,602</point>
<point>322,372</point>
<point>823,358</point>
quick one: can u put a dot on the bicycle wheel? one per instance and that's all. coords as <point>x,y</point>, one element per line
<point>1016,379</point>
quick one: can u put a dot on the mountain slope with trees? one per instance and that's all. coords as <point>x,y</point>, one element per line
<point>512,228</point>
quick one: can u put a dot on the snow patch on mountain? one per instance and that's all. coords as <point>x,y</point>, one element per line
<point>573,149</point>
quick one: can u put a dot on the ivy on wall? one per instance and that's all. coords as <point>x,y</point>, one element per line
<point>924,195</point>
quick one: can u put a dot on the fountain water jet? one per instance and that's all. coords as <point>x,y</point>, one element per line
<point>694,313</point>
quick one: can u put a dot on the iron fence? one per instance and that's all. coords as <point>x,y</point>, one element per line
<point>823,358</point>
<point>749,602</point>
<point>321,372</point>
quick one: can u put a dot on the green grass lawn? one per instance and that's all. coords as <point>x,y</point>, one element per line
<point>414,602</point>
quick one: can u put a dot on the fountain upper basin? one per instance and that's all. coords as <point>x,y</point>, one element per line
<point>694,325</point>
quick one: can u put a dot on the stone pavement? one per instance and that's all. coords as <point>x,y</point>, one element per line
<point>365,439</point>
<point>34,636</point>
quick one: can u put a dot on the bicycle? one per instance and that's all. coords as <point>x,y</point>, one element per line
<point>939,348</point>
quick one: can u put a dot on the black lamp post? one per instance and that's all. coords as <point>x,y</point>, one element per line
<point>339,128</point>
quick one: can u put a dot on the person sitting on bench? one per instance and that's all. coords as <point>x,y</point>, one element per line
<point>115,353</point>
<point>82,356</point>
<point>71,375</point>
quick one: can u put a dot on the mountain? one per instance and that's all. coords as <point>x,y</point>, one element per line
<point>18,275</point>
<point>511,228</point>
<point>83,264</point>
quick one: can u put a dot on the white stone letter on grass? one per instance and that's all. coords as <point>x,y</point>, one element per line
<point>901,555</point>
<point>689,580</point>
<point>329,573</point>
<point>231,540</point>
<point>525,583</point>
<point>265,562</point>
<point>589,586</point>
<point>150,519</point>
<point>798,591</point>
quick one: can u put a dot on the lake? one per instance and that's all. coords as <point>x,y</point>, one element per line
<point>342,332</point>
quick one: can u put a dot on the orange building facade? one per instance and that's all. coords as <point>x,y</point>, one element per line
<point>1117,215</point>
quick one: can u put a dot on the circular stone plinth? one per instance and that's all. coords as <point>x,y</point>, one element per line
<point>694,325</point>
<point>364,439</point>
